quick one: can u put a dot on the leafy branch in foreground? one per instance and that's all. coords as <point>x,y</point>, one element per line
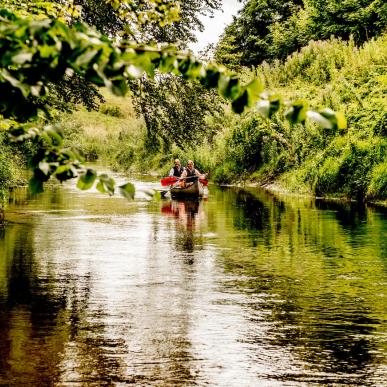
<point>36,52</point>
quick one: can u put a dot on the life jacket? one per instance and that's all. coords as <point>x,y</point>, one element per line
<point>177,171</point>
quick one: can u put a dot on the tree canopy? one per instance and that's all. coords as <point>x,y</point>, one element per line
<point>265,31</point>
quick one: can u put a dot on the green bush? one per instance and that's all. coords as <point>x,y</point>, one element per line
<point>6,174</point>
<point>125,157</point>
<point>111,110</point>
<point>348,170</point>
<point>225,173</point>
<point>377,188</point>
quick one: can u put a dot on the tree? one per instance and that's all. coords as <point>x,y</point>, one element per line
<point>175,110</point>
<point>247,40</point>
<point>265,31</point>
<point>362,19</point>
<point>152,98</point>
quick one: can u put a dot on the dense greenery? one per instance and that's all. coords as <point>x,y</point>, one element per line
<point>350,163</point>
<point>175,111</point>
<point>272,30</point>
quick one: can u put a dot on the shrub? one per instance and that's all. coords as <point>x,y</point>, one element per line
<point>348,170</point>
<point>125,157</point>
<point>5,169</point>
<point>377,188</point>
<point>111,110</point>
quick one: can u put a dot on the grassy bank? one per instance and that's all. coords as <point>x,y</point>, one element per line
<point>304,158</point>
<point>113,134</point>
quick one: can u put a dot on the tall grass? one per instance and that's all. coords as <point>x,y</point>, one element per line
<point>114,134</point>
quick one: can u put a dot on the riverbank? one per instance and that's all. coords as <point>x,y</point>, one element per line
<point>278,189</point>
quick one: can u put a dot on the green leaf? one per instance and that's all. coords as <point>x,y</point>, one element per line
<point>297,112</point>
<point>229,87</point>
<point>239,104</point>
<point>105,184</point>
<point>127,190</point>
<point>100,187</point>
<point>52,136</point>
<point>168,63</point>
<point>254,89</point>
<point>44,166</point>
<point>86,57</point>
<point>87,179</point>
<point>22,57</point>
<point>119,87</point>
<point>275,104</point>
<point>153,194</point>
<point>211,78</point>
<point>184,66</point>
<point>263,108</point>
<point>341,121</point>
<point>65,172</point>
<point>35,185</point>
<point>267,107</point>
<point>319,119</point>
<point>337,119</point>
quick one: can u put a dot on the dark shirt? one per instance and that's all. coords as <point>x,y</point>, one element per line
<point>177,171</point>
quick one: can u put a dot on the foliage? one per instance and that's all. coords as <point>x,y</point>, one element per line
<point>347,168</point>
<point>247,40</point>
<point>377,188</point>
<point>305,158</point>
<point>266,31</point>
<point>72,89</point>
<point>90,132</point>
<point>176,111</point>
<point>35,53</point>
<point>111,110</point>
<point>362,19</point>
<point>9,158</point>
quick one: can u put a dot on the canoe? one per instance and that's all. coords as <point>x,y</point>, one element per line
<point>194,190</point>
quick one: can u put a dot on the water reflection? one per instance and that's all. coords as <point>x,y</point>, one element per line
<point>247,288</point>
<point>188,215</point>
<point>318,307</point>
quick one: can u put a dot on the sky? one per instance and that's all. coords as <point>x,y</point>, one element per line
<point>216,25</point>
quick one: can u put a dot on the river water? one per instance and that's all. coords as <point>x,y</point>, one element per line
<point>243,288</point>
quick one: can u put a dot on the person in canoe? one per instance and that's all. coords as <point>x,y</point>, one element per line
<point>177,170</point>
<point>190,172</point>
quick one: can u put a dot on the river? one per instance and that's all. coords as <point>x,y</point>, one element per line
<point>244,288</point>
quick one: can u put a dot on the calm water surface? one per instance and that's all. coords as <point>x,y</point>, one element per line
<point>242,289</point>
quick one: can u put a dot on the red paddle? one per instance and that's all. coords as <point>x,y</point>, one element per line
<point>170,180</point>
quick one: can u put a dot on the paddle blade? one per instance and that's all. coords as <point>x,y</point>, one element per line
<point>168,180</point>
<point>204,181</point>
